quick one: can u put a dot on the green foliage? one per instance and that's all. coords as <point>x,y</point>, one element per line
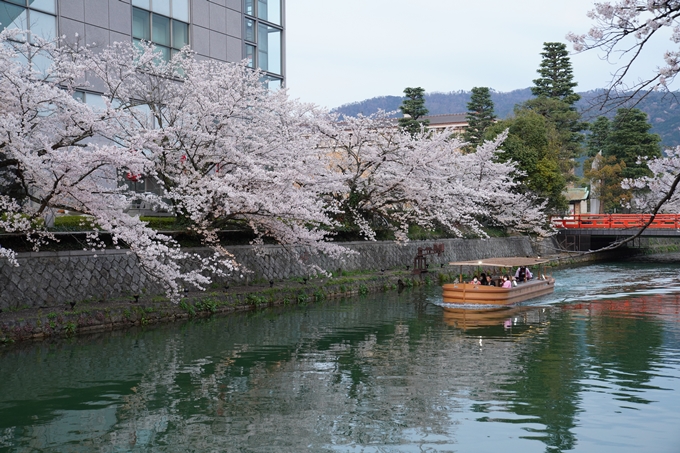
<point>160,223</point>
<point>187,307</point>
<point>532,143</point>
<point>208,304</point>
<point>598,138</point>
<point>568,126</point>
<point>74,223</point>
<point>301,298</point>
<point>319,295</point>
<point>630,140</point>
<point>70,328</point>
<point>623,142</point>
<point>557,78</point>
<point>607,174</point>
<point>413,108</point>
<point>363,289</point>
<point>254,299</point>
<point>480,115</point>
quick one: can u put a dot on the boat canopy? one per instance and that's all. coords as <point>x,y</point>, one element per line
<point>509,261</point>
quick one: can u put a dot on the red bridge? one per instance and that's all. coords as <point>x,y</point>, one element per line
<point>593,231</point>
<point>619,221</point>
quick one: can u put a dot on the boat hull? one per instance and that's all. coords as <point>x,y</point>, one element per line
<point>466,293</point>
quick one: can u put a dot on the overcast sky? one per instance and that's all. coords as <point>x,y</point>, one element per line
<point>342,51</point>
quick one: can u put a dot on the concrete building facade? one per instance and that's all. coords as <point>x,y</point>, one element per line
<point>224,30</point>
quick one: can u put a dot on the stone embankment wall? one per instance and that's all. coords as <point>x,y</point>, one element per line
<point>46,279</point>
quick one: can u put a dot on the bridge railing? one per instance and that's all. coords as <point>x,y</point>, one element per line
<point>584,221</point>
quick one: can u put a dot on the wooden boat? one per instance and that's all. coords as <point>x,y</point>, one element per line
<point>468,293</point>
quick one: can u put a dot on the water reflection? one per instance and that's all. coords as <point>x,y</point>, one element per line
<point>394,372</point>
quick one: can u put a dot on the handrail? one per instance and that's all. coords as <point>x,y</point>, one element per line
<point>616,221</point>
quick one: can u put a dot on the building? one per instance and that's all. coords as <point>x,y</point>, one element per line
<point>457,122</point>
<point>224,30</point>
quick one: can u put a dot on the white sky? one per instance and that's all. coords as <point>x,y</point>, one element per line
<point>342,51</point>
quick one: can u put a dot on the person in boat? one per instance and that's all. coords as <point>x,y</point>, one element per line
<point>475,281</point>
<point>490,281</point>
<point>483,280</point>
<point>506,282</point>
<point>523,274</point>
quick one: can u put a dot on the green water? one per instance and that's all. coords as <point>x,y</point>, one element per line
<point>594,367</point>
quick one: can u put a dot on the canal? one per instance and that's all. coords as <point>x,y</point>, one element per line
<point>594,367</point>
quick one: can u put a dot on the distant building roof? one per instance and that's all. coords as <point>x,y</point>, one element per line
<point>453,120</point>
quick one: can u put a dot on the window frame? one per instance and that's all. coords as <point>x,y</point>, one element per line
<point>251,44</point>
<point>167,51</point>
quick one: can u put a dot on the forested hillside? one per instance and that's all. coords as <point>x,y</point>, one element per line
<point>663,111</point>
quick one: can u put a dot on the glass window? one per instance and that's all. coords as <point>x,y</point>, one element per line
<point>269,10</point>
<point>160,30</point>
<point>180,34</point>
<point>180,10</point>
<point>161,7</point>
<point>12,16</point>
<point>142,4</point>
<point>272,83</point>
<point>96,101</point>
<point>250,8</point>
<point>250,30</point>
<point>269,48</point>
<point>141,28</point>
<point>250,55</point>
<point>164,52</point>
<point>43,25</point>
<point>47,6</point>
<point>41,62</point>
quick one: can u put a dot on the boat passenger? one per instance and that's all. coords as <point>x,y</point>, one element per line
<point>523,274</point>
<point>475,281</point>
<point>490,281</point>
<point>483,280</point>
<point>506,282</point>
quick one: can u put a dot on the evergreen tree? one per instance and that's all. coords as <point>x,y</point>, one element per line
<point>598,139</point>
<point>630,140</point>
<point>555,98</point>
<point>557,79</point>
<point>413,108</point>
<point>480,116</point>
<point>567,123</point>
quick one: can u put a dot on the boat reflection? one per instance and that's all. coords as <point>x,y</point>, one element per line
<point>506,317</point>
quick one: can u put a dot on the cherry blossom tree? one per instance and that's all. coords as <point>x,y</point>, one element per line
<point>223,148</point>
<point>224,151</point>
<point>394,179</point>
<point>219,144</point>
<point>657,193</point>
<point>626,29</point>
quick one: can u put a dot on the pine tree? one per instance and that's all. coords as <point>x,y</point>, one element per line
<point>557,78</point>
<point>413,108</point>
<point>555,98</point>
<point>598,138</point>
<point>480,116</point>
<point>630,140</point>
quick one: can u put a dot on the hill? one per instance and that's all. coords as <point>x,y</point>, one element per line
<point>663,109</point>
